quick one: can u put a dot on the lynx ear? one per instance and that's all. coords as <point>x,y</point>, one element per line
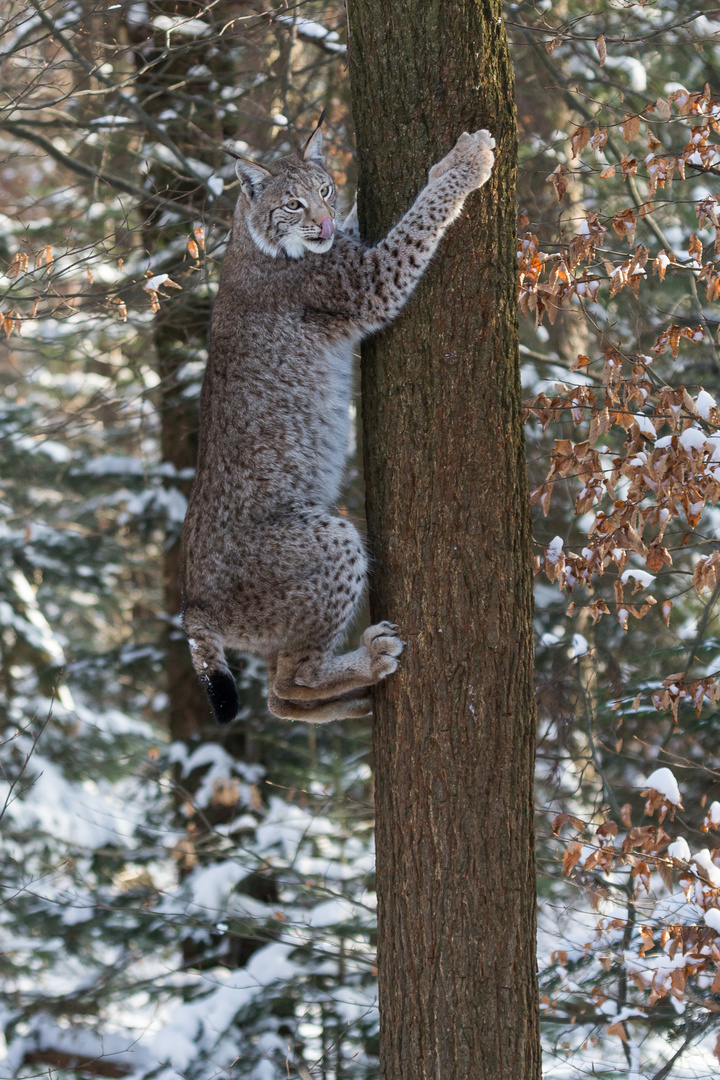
<point>312,149</point>
<point>251,176</point>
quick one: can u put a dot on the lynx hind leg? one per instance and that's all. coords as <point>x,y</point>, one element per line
<point>318,608</point>
<point>315,712</point>
<point>321,675</point>
<point>208,658</point>
<point>320,712</point>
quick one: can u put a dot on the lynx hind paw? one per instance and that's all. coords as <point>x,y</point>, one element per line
<point>384,645</point>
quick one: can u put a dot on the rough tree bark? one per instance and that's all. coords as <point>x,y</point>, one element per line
<point>449,533</point>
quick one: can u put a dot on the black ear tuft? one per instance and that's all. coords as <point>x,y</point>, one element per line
<point>312,149</point>
<point>222,692</point>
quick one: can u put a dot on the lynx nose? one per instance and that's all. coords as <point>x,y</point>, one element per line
<point>328,228</point>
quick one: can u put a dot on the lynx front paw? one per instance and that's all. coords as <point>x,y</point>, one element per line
<point>384,646</point>
<point>471,159</point>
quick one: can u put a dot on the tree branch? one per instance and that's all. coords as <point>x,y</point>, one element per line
<point>92,1066</point>
<point>115,182</point>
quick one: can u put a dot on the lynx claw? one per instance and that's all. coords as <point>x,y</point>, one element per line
<point>383,638</point>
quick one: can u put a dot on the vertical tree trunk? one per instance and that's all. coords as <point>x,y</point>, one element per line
<point>449,533</point>
<point>179,329</point>
<point>181,326</point>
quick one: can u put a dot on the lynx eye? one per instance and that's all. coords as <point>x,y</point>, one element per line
<point>326,191</point>
<point>293,204</point>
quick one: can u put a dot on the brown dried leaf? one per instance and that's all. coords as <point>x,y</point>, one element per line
<point>579,140</point>
<point>630,127</point>
<point>599,139</point>
<point>655,557</point>
<point>608,828</point>
<point>597,609</point>
<point>664,869</point>
<point>19,265</point>
<point>571,856</point>
<point>647,938</point>
<point>695,248</point>
<point>601,49</point>
<point>625,224</point>
<point>558,179</point>
<point>660,264</point>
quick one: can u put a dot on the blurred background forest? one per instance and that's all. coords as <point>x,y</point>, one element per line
<point>184,901</point>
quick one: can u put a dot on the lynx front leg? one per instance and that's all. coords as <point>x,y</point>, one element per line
<point>351,225</point>
<point>391,270</point>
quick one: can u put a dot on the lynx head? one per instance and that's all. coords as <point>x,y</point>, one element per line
<point>289,205</point>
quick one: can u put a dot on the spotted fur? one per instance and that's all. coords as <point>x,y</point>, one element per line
<point>269,568</point>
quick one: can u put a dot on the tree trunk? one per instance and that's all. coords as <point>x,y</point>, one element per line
<point>180,328</point>
<point>449,534</point>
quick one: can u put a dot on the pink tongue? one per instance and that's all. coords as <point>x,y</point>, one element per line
<point>328,228</point>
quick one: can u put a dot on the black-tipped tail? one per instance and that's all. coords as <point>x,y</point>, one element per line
<point>222,691</point>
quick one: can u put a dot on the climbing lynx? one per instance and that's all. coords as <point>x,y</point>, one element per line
<point>268,567</point>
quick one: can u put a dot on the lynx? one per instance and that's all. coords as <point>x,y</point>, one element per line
<point>269,568</point>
